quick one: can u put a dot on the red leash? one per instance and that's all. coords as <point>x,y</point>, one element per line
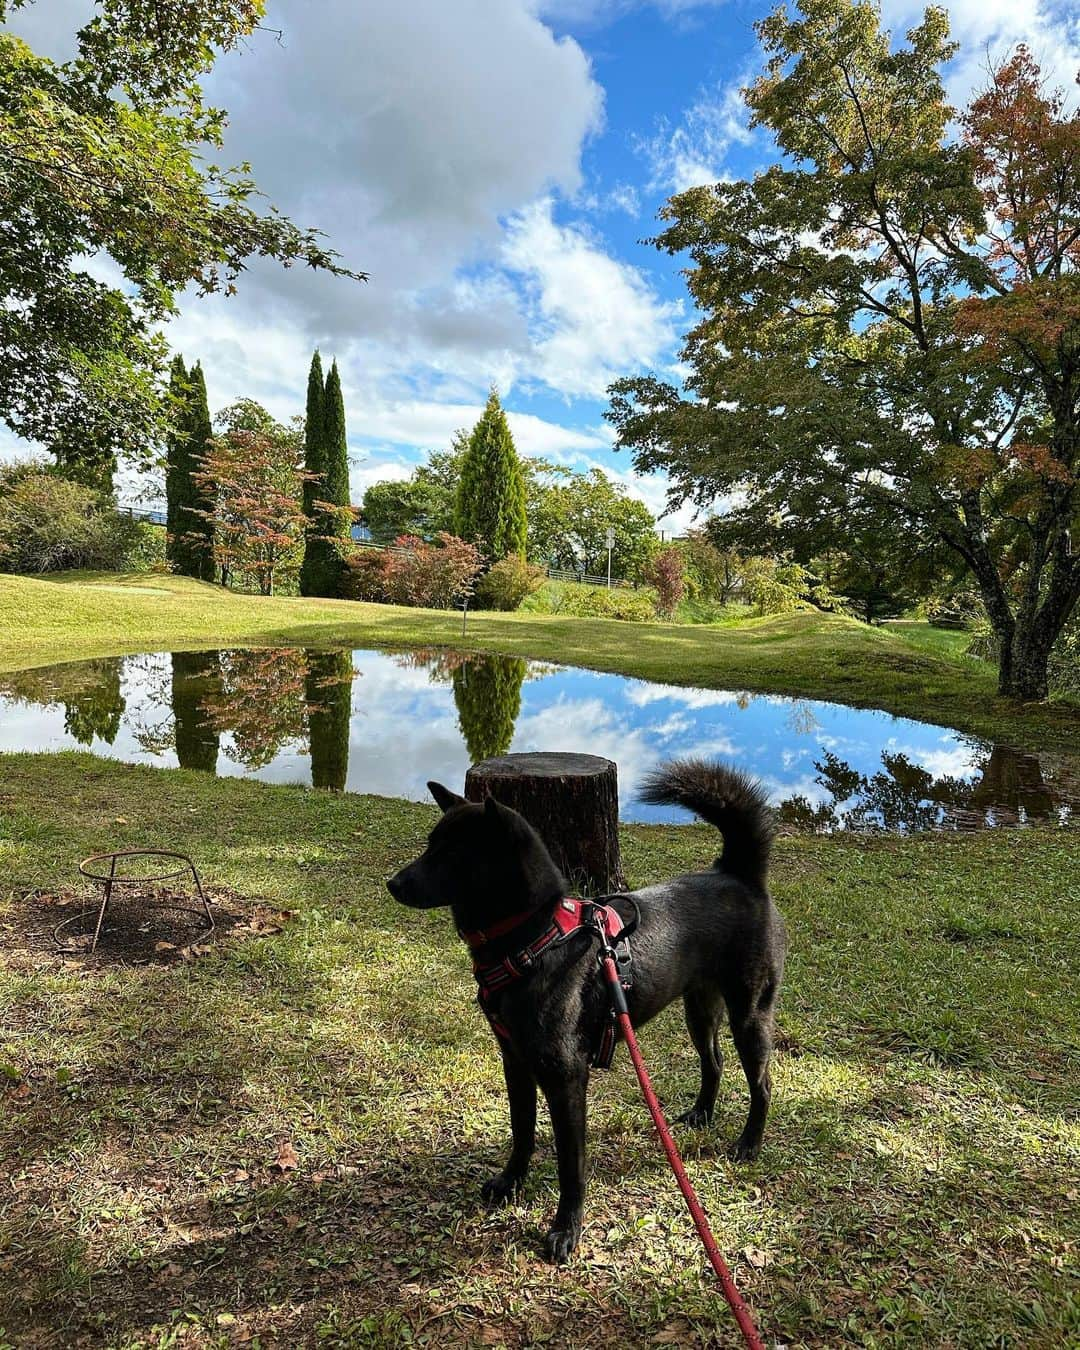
<point>735,1300</point>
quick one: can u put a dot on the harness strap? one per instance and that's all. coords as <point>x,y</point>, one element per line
<point>571,916</point>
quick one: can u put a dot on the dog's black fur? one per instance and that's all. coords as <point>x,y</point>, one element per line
<point>712,938</point>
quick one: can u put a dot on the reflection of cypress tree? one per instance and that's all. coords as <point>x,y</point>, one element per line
<point>487,692</point>
<point>195,676</point>
<point>328,689</point>
<point>96,709</point>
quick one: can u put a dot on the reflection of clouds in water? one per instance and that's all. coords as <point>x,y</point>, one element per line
<point>641,695</point>
<point>958,761</point>
<point>591,726</point>
<point>404,729</point>
<point>783,789</point>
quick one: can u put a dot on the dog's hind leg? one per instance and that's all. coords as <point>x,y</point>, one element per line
<point>566,1098</point>
<point>521,1090</point>
<point>704,1009</point>
<point>751,1029</point>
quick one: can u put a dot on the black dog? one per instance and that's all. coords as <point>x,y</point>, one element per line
<point>714,938</point>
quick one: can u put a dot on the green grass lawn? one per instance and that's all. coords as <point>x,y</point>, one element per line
<point>920,1178</point>
<point>812,655</point>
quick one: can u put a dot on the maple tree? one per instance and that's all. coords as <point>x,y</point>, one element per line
<point>889,340</point>
<point>255,470</point>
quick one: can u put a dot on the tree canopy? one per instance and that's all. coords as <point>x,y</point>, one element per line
<point>489,509</point>
<point>890,321</point>
<point>109,155</point>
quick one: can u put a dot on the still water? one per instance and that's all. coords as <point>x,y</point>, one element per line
<point>383,722</point>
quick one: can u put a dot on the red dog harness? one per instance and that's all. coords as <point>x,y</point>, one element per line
<point>571,916</point>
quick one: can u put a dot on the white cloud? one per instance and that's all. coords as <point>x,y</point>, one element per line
<point>594,316</point>
<point>990,29</point>
<point>693,153</point>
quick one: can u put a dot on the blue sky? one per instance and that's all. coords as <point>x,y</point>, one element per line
<point>493,164</point>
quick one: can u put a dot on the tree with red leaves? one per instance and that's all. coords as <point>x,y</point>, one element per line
<point>889,342</point>
<point>256,468</point>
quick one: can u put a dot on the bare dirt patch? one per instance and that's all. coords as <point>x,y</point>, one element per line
<point>151,925</point>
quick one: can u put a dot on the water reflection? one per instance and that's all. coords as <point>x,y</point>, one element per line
<point>387,722</point>
<point>87,691</point>
<point>1008,789</point>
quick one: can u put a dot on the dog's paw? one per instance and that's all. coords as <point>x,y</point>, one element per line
<point>560,1243</point>
<point>745,1150</point>
<point>501,1189</point>
<point>698,1118</point>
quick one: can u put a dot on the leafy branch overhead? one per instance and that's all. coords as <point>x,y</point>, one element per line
<point>108,155</point>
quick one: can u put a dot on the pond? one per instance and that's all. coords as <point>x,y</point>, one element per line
<point>385,722</point>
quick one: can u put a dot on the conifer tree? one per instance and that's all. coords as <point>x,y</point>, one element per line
<point>490,506</point>
<point>329,494</point>
<point>189,500</point>
<point>314,463</point>
<point>175,451</point>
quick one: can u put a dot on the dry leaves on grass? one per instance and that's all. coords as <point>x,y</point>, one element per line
<point>286,1160</point>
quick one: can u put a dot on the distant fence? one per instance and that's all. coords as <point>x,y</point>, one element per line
<point>138,513</point>
<point>555,573</point>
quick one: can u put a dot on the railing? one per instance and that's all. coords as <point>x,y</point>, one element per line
<point>140,513</point>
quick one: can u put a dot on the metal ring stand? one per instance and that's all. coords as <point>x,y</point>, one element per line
<point>109,880</point>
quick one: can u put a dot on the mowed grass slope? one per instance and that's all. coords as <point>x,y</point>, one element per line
<point>812,655</point>
<point>918,1185</point>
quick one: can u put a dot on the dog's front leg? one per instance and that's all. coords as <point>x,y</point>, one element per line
<point>566,1100</point>
<point>521,1090</point>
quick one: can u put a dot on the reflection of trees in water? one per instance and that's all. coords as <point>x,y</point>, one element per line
<point>328,690</point>
<point>907,796</point>
<point>196,677</point>
<point>260,702</point>
<point>487,693</point>
<point>88,691</point>
<point>266,700</point>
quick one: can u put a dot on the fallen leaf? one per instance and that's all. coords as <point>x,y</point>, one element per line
<point>286,1159</point>
<point>756,1257</point>
<point>164,946</point>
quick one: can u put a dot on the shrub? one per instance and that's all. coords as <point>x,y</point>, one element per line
<point>435,576</point>
<point>667,572</point>
<point>507,584</point>
<point>50,524</point>
<point>597,602</point>
<point>364,577</point>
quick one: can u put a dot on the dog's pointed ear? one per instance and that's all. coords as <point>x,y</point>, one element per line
<point>444,797</point>
<point>492,810</point>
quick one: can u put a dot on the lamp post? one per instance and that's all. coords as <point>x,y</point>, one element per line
<point>610,546</point>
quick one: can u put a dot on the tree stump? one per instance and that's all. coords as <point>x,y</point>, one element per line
<point>572,801</point>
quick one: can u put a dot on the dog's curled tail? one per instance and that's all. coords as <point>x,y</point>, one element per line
<point>732,801</point>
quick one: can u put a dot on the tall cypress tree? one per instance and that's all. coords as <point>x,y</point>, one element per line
<point>490,505</point>
<point>314,463</point>
<point>189,504</point>
<point>175,453</point>
<point>337,450</point>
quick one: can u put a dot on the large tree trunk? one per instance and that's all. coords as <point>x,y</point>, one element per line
<point>572,801</point>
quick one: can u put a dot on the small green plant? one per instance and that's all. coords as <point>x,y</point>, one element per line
<point>507,584</point>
